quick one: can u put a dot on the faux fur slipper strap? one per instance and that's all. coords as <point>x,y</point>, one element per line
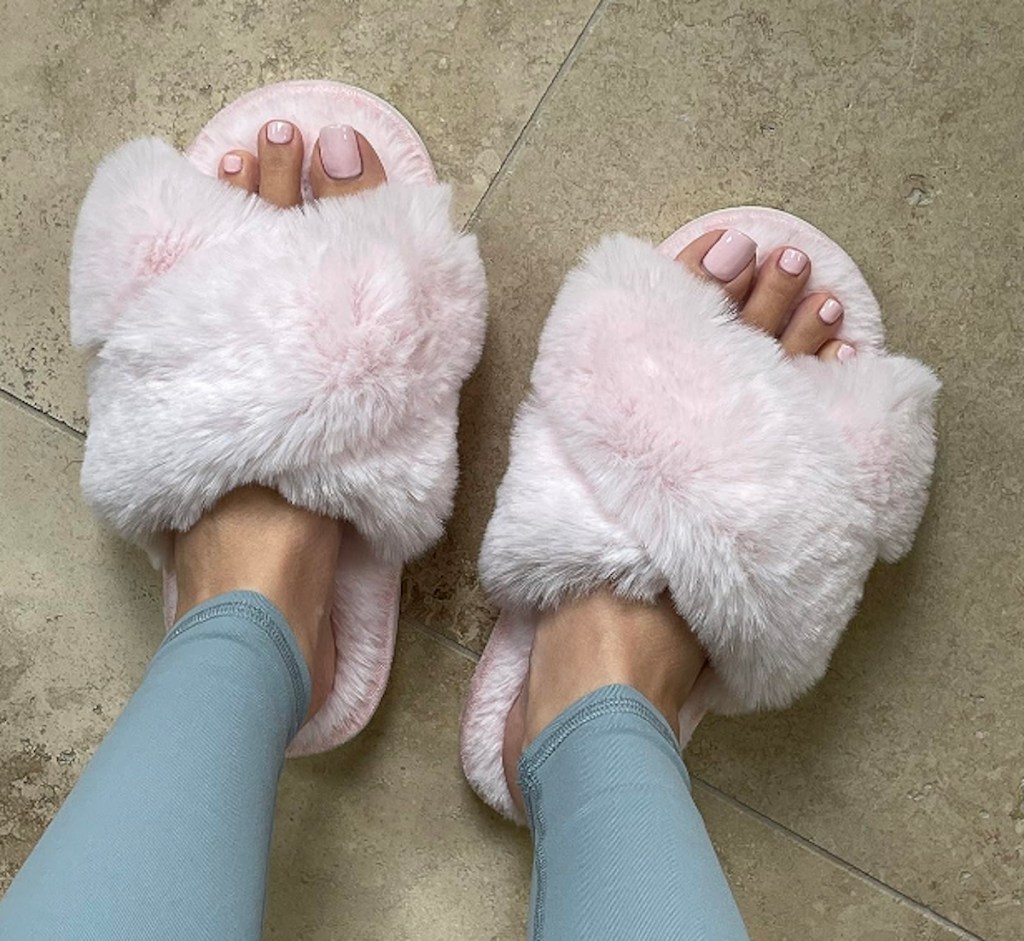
<point>667,445</point>
<point>317,350</point>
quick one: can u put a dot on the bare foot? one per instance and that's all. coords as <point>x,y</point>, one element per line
<point>253,539</point>
<point>601,639</point>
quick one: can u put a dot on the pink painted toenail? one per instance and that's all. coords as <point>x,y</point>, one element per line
<point>280,132</point>
<point>793,261</point>
<point>729,255</point>
<point>339,152</point>
<point>831,311</point>
<point>232,163</point>
<point>846,353</point>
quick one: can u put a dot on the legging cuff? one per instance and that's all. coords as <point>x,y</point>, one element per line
<point>269,623</point>
<point>615,699</point>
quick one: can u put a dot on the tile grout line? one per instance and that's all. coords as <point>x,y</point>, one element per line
<point>567,64</point>
<point>453,645</point>
<point>896,894</point>
<point>41,414</point>
<point>845,865</point>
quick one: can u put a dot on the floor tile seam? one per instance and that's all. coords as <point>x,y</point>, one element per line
<point>566,64</point>
<point>40,414</point>
<point>919,907</point>
<point>453,646</point>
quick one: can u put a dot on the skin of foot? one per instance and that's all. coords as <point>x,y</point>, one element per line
<point>252,538</point>
<point>600,640</point>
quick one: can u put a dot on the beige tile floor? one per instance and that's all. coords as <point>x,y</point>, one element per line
<point>887,805</point>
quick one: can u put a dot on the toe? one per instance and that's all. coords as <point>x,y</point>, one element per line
<point>726,256</point>
<point>280,153</point>
<point>779,282</point>
<point>240,169</point>
<point>344,163</point>
<point>814,322</point>
<point>838,350</point>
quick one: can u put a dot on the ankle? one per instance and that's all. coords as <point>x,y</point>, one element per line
<point>603,640</point>
<point>254,540</point>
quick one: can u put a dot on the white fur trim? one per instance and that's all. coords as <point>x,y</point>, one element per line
<point>666,444</point>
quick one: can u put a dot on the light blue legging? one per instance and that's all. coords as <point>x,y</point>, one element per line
<point>166,835</point>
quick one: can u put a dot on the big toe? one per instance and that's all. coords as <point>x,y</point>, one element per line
<point>726,256</point>
<point>344,163</point>
<point>280,153</point>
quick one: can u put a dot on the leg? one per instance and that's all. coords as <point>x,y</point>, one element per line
<point>620,850</point>
<point>167,833</point>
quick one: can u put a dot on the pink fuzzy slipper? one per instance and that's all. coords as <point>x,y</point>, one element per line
<point>317,350</point>
<point>665,444</point>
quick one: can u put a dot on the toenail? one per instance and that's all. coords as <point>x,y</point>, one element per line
<point>831,311</point>
<point>845,353</point>
<point>793,261</point>
<point>729,255</point>
<point>339,152</point>
<point>280,132</point>
<point>232,163</point>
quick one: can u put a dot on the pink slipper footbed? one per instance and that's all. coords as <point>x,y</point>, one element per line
<point>318,350</point>
<point>667,445</point>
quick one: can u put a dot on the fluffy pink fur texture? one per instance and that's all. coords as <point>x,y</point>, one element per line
<point>667,445</point>
<point>318,350</point>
